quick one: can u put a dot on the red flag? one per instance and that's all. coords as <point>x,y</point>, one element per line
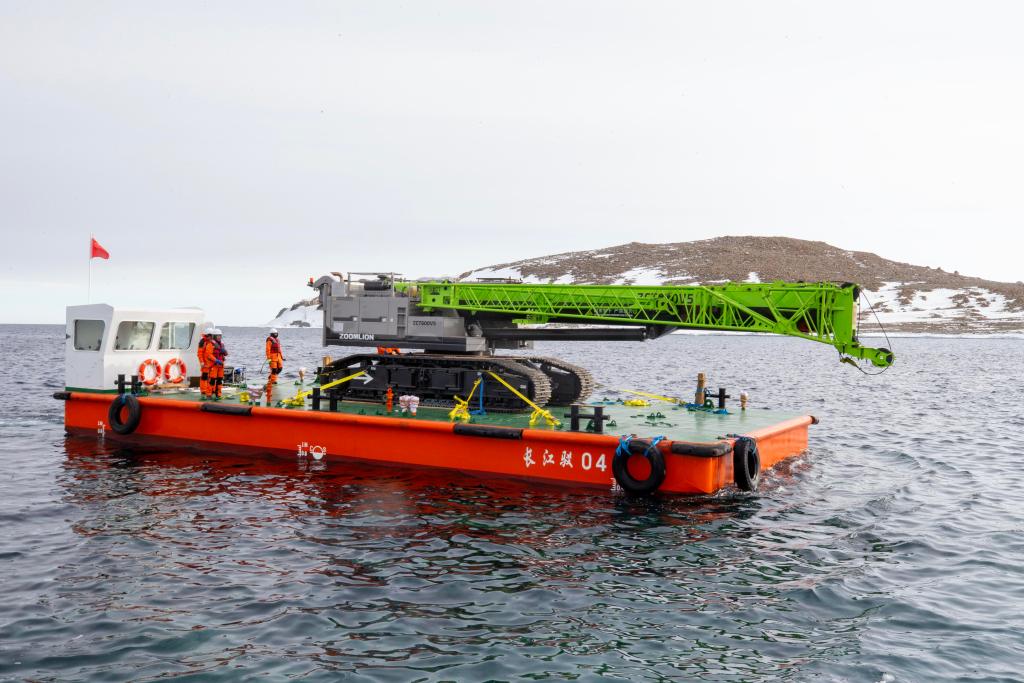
<point>96,251</point>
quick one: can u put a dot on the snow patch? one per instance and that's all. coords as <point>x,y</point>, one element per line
<point>935,305</point>
<point>513,273</point>
<point>641,276</point>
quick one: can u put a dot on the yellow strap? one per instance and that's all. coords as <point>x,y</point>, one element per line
<point>548,417</point>
<point>538,412</point>
<point>660,398</point>
<point>461,409</point>
<point>304,394</point>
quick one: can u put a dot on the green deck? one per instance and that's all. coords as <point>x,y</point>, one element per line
<point>658,419</point>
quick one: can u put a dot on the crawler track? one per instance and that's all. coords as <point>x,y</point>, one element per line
<point>436,378</point>
<point>569,383</point>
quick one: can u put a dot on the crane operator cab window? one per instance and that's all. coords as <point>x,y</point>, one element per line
<point>134,335</point>
<point>88,334</point>
<point>176,335</point>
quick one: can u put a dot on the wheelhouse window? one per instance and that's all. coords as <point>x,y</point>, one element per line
<point>134,335</point>
<point>89,334</point>
<point>176,335</point>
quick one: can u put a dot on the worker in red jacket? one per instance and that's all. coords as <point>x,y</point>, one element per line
<point>204,367</point>
<point>216,353</point>
<point>274,357</point>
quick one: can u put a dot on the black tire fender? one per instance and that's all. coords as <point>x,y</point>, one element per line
<point>131,423</point>
<point>746,464</point>
<point>636,486</point>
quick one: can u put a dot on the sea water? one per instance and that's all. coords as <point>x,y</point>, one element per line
<point>893,550</point>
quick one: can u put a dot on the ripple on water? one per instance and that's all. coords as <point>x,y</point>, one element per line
<point>891,551</point>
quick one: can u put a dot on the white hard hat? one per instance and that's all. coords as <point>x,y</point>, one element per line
<point>215,331</point>
<point>273,330</point>
<point>207,327</point>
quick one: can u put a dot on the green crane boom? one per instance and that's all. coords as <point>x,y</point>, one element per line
<point>457,326</point>
<point>822,312</point>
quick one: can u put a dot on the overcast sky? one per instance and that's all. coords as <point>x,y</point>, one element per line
<point>224,152</point>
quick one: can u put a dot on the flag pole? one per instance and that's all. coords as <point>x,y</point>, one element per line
<point>88,294</point>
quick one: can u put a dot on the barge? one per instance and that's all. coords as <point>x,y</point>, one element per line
<point>673,450</point>
<point>533,418</point>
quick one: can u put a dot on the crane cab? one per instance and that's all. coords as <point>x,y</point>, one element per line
<point>377,309</point>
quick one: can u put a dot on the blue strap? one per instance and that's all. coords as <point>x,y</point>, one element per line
<point>623,448</point>
<point>480,410</point>
<point>622,451</point>
<point>654,445</point>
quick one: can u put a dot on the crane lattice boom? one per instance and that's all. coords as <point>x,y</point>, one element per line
<point>822,312</point>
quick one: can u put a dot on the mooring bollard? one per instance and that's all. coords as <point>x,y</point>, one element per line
<point>597,417</point>
<point>721,396</point>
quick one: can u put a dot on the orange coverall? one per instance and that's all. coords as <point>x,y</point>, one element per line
<point>274,358</point>
<point>204,368</point>
<point>215,355</point>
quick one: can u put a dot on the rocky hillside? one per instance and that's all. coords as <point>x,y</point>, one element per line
<point>906,297</point>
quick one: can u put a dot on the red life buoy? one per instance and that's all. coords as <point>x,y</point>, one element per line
<point>182,371</point>
<point>143,366</point>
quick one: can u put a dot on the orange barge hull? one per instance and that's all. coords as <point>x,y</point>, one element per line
<point>556,457</point>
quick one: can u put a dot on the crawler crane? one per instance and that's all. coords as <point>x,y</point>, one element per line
<point>456,327</point>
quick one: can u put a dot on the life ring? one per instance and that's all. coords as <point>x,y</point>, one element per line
<point>629,483</point>
<point>128,425</point>
<point>149,363</point>
<point>182,371</point>
<point>746,463</point>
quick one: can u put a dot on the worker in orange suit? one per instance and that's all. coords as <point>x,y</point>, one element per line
<point>274,357</point>
<point>216,353</point>
<point>204,366</point>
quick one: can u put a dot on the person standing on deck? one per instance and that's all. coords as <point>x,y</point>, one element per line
<point>215,355</point>
<point>204,366</point>
<point>274,357</point>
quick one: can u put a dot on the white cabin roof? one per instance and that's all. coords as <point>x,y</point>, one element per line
<point>106,312</point>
